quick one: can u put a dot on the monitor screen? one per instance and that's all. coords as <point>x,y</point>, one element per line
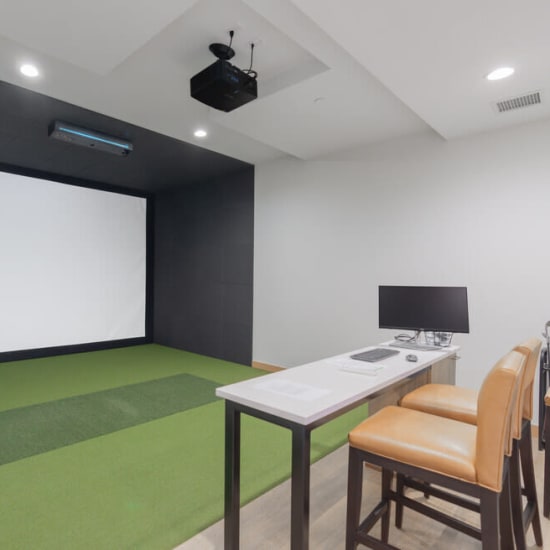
<point>433,308</point>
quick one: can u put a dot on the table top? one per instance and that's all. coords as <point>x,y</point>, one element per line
<point>313,391</point>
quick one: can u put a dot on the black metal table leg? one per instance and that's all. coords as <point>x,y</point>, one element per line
<point>232,476</point>
<point>299,525</point>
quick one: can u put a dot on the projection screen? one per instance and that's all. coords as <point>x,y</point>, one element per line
<point>73,264</point>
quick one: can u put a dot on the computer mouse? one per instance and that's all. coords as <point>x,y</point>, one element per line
<point>411,357</point>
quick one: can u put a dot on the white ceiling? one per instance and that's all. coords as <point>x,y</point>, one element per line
<point>331,75</point>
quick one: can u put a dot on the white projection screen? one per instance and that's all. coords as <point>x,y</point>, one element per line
<point>73,264</point>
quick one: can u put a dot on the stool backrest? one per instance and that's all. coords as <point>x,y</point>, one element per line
<point>531,348</point>
<point>495,407</point>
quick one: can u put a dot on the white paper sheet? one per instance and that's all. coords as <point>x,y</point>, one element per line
<point>302,392</point>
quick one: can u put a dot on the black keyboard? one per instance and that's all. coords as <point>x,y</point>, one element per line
<point>373,355</point>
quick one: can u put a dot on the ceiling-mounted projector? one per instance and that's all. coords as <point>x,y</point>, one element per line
<point>222,85</point>
<point>90,139</point>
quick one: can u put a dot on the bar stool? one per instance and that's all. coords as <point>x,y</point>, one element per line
<point>458,456</point>
<point>546,428</point>
<point>460,404</point>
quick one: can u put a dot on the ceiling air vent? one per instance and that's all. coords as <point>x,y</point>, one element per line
<point>518,102</point>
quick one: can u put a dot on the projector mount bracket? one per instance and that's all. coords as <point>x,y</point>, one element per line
<point>223,51</point>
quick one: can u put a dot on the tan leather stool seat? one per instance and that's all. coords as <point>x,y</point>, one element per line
<point>461,404</point>
<point>420,439</point>
<point>448,455</point>
<point>444,400</point>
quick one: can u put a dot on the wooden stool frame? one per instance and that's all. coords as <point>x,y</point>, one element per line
<point>521,457</point>
<point>522,518</point>
<point>495,532</point>
<point>546,496</point>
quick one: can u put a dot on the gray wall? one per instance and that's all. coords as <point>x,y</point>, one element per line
<point>421,211</point>
<point>204,239</point>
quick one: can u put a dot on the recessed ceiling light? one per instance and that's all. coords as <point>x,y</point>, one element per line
<point>200,133</point>
<point>502,72</point>
<point>29,70</point>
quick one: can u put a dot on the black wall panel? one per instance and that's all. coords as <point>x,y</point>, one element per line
<point>203,229</point>
<point>204,243</point>
<point>158,162</point>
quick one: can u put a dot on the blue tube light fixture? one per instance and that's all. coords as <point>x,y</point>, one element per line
<point>68,133</point>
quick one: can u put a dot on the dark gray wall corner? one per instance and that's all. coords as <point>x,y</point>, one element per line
<point>204,253</point>
<point>203,220</point>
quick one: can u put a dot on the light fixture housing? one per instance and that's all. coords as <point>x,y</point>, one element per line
<point>500,73</point>
<point>69,133</point>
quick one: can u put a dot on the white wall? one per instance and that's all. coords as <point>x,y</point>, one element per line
<point>422,211</point>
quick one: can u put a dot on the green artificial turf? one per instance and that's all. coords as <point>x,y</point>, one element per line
<point>35,429</point>
<point>34,381</point>
<point>150,486</point>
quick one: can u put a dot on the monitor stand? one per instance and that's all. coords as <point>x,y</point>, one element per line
<point>411,340</point>
<point>432,341</point>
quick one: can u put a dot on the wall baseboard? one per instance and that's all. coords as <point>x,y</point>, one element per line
<point>266,366</point>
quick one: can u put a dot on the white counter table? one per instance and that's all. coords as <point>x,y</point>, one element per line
<point>305,397</point>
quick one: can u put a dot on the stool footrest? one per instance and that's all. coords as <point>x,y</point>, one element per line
<point>370,521</point>
<point>439,516</point>
<point>374,543</point>
<point>436,492</point>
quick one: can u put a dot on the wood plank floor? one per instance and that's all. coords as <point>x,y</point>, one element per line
<point>265,522</point>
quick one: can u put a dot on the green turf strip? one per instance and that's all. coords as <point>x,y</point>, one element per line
<point>34,381</point>
<point>35,429</point>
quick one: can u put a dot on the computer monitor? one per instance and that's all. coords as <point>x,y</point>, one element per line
<point>424,308</point>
